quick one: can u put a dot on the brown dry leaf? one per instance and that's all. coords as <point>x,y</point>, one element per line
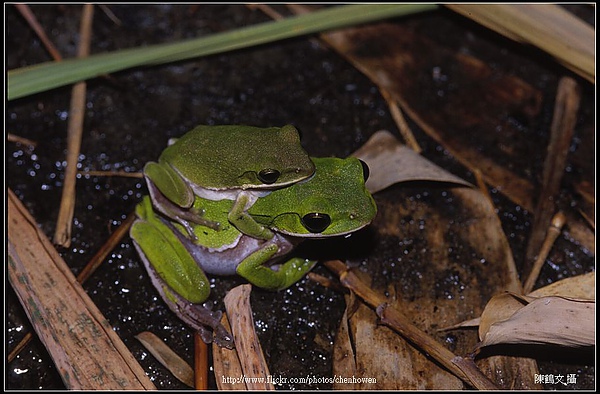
<point>475,123</point>
<point>499,308</point>
<point>365,349</point>
<point>504,312</point>
<point>547,26</point>
<point>404,65</point>
<point>577,287</point>
<point>464,251</point>
<point>248,350</point>
<point>547,320</point>
<point>87,352</point>
<point>384,151</point>
<point>167,357</point>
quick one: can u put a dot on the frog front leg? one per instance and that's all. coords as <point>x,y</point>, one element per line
<point>176,275</point>
<point>173,197</point>
<point>253,269</point>
<point>241,219</point>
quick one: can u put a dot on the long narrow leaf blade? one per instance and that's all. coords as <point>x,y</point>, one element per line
<point>34,79</point>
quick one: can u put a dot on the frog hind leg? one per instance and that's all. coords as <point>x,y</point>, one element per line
<point>253,269</point>
<point>149,239</point>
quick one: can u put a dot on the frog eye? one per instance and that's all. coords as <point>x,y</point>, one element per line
<point>268,176</point>
<point>366,171</point>
<point>316,222</point>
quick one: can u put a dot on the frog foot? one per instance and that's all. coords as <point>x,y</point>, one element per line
<point>199,317</point>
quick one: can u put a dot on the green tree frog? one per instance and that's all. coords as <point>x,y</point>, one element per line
<point>240,163</point>
<point>333,202</point>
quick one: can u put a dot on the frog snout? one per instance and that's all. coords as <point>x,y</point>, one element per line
<point>316,222</point>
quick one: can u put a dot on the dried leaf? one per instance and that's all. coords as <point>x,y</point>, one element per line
<point>503,306</point>
<point>581,287</point>
<point>547,26</point>
<point>499,308</point>
<point>227,364</point>
<point>391,162</point>
<point>429,260</point>
<point>547,320</point>
<point>247,346</point>
<point>472,121</point>
<point>167,357</point>
<point>80,341</point>
<point>366,349</point>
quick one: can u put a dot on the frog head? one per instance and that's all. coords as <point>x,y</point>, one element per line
<point>333,202</point>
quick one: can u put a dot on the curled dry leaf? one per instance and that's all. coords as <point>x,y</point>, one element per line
<point>581,287</point>
<point>507,315</point>
<point>547,320</point>
<point>499,308</point>
<point>395,163</point>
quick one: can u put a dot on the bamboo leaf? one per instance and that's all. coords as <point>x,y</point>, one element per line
<point>34,79</point>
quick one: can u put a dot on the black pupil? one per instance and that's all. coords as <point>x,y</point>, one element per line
<point>268,176</point>
<point>316,222</point>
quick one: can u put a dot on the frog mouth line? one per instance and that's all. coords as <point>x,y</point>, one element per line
<point>319,235</point>
<point>274,185</point>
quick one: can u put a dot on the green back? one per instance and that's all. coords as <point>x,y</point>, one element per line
<point>231,157</point>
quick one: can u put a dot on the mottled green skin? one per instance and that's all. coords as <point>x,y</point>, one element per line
<point>336,189</point>
<point>239,163</point>
<point>230,157</point>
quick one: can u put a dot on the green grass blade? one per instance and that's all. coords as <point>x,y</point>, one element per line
<point>38,78</point>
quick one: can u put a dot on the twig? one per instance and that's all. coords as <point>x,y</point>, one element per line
<point>468,366</point>
<point>561,133</point>
<point>62,234</point>
<point>267,10</point>
<point>395,320</point>
<point>111,15</point>
<point>112,173</point>
<point>326,282</point>
<point>167,357</point>
<point>200,363</point>
<point>34,24</point>
<point>558,221</point>
<point>109,245</point>
<point>23,141</point>
<point>398,117</point>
